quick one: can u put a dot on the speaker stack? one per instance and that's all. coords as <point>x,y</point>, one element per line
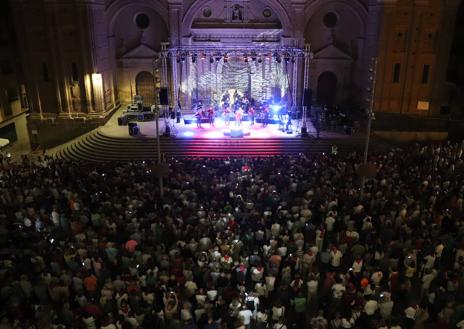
<point>133,129</point>
<point>122,121</point>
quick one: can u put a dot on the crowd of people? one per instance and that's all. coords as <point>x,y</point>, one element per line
<point>279,242</point>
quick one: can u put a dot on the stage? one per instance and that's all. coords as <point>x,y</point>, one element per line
<point>187,128</point>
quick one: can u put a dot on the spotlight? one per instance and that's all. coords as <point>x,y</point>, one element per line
<point>178,60</point>
<point>182,59</point>
<point>246,59</point>
<point>275,108</point>
<point>278,59</point>
<point>194,58</point>
<point>226,59</point>
<point>203,56</point>
<point>211,60</point>
<point>260,60</point>
<point>293,59</point>
<point>253,58</point>
<point>218,59</point>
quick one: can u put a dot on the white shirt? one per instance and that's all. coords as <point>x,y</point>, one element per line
<point>410,312</point>
<point>428,278</point>
<point>312,286</point>
<point>371,307</point>
<point>212,294</point>
<point>246,316</point>
<point>277,312</point>
<point>386,309</point>
<point>429,261</point>
<point>335,258</point>
<point>357,266</point>
<point>329,223</point>
<point>337,290</point>
<point>279,326</point>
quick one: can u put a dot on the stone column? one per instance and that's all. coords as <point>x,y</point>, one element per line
<point>175,21</point>
<point>57,76</point>
<point>25,53</point>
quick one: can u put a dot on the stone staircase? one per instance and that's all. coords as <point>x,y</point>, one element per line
<point>96,146</point>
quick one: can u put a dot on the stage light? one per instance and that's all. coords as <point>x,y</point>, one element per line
<point>246,59</point>
<point>97,79</point>
<point>194,58</point>
<point>275,107</point>
<point>178,60</point>
<point>226,59</point>
<point>260,60</point>
<point>203,56</point>
<point>253,58</point>
<point>293,59</point>
<point>211,60</point>
<point>218,59</point>
<point>188,134</point>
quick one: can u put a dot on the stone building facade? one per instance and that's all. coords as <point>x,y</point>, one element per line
<point>82,59</point>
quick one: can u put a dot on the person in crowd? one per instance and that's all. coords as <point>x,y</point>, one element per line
<point>275,242</point>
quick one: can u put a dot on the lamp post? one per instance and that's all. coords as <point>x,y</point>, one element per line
<point>155,110</point>
<point>370,117</point>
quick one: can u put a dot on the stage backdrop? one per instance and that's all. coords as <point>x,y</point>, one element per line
<point>264,80</point>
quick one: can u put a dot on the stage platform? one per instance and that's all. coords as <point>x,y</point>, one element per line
<point>113,142</point>
<point>219,130</point>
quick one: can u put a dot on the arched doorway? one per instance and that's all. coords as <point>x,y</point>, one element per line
<point>145,87</point>
<point>327,88</point>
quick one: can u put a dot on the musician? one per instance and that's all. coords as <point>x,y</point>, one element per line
<point>236,96</point>
<point>199,116</point>
<point>226,114</point>
<point>238,116</point>
<point>289,121</point>
<point>210,114</point>
<point>251,115</point>
<point>226,99</point>
<point>265,115</point>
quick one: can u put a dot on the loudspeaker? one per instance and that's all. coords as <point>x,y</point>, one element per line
<point>445,110</point>
<point>304,132</point>
<point>122,121</point>
<point>163,95</point>
<point>177,116</point>
<point>167,132</point>
<point>307,97</point>
<point>133,128</point>
<point>236,133</point>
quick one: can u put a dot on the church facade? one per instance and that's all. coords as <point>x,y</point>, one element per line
<point>81,60</point>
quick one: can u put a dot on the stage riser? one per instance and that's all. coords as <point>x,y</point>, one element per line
<point>232,120</point>
<point>99,147</point>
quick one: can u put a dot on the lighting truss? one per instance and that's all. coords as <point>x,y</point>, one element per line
<point>224,51</point>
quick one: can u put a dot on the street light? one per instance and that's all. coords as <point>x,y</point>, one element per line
<point>155,109</point>
<point>370,117</point>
